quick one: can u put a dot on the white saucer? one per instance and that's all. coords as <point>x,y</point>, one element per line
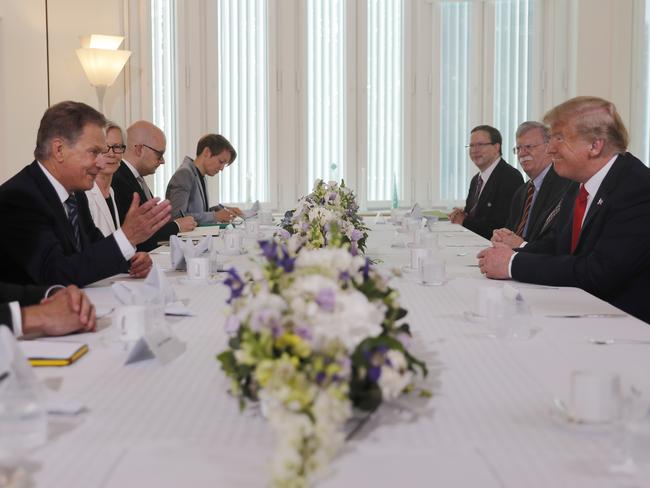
<point>560,414</point>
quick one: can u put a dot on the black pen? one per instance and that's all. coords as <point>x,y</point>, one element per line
<point>182,213</point>
<point>4,376</point>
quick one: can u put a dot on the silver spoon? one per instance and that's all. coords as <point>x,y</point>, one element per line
<point>607,342</point>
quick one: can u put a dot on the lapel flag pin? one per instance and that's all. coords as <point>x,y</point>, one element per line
<point>600,201</point>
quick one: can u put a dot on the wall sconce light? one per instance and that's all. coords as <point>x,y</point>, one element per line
<point>102,61</point>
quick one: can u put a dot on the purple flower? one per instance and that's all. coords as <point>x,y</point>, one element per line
<point>320,377</point>
<point>286,261</point>
<point>374,373</point>
<point>354,248</point>
<point>235,283</point>
<point>284,234</point>
<point>326,299</point>
<point>269,250</point>
<point>304,333</point>
<point>232,324</point>
<point>366,270</point>
<point>356,235</point>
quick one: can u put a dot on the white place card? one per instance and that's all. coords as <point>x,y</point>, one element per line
<point>160,343</point>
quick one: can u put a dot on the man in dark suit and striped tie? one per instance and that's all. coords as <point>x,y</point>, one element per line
<point>48,233</point>
<point>535,203</point>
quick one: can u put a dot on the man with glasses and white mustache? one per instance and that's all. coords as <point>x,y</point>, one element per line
<point>537,202</point>
<point>145,149</point>
<point>490,192</point>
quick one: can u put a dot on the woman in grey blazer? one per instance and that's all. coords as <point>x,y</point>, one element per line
<point>187,189</point>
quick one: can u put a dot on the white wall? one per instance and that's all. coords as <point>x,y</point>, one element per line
<point>23,81</point>
<point>593,36</point>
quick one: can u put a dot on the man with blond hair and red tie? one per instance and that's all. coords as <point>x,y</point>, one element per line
<point>601,239</point>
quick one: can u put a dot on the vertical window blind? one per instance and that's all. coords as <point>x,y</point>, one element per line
<point>385,98</point>
<point>326,90</point>
<point>164,85</point>
<point>454,94</point>
<point>513,39</point>
<point>243,98</point>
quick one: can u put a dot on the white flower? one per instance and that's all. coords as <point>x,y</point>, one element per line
<point>395,376</point>
<point>353,319</point>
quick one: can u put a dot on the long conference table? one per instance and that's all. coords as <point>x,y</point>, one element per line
<point>490,422</point>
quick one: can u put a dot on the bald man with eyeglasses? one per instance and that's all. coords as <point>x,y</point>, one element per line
<point>145,152</point>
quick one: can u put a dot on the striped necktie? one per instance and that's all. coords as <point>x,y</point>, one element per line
<point>73,216</point>
<point>145,188</point>
<point>527,206</point>
<point>477,194</point>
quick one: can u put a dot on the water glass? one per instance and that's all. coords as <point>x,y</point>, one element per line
<point>432,271</point>
<point>23,419</point>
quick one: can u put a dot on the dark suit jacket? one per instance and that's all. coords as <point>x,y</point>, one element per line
<point>37,243</point>
<point>125,185</point>
<point>553,189</point>
<point>494,202</point>
<point>612,258</point>
<point>25,295</point>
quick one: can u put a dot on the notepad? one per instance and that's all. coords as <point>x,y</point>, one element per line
<point>52,353</point>
<point>209,230</point>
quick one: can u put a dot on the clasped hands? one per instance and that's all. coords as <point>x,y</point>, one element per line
<point>494,261</point>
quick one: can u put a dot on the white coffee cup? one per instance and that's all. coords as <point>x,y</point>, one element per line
<point>130,321</point>
<point>232,241</point>
<point>198,268</point>
<point>252,227</point>
<point>432,271</point>
<point>594,397</point>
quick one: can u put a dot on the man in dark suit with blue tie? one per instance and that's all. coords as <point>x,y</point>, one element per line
<point>536,203</point>
<point>601,239</point>
<point>49,236</point>
<point>490,192</point>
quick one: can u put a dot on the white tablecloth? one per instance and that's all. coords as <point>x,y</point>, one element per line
<point>489,422</point>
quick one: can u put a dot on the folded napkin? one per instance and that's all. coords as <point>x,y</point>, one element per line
<point>185,249</point>
<point>252,212</point>
<point>416,212</point>
<point>155,289</point>
<point>379,218</point>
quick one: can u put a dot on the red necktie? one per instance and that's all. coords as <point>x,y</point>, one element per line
<point>527,204</point>
<point>578,214</point>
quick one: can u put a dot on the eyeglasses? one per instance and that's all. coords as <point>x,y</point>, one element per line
<point>160,154</point>
<point>116,148</point>
<point>478,145</point>
<point>527,147</point>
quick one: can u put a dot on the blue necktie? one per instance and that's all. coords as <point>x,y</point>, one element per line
<point>73,217</point>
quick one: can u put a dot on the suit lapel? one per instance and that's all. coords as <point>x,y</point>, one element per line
<point>54,202</point>
<point>197,176</point>
<point>600,198</point>
<point>130,179</point>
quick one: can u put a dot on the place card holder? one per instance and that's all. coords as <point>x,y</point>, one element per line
<point>160,343</point>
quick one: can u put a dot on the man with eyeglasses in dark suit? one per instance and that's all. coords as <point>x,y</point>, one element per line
<point>490,192</point>
<point>145,150</point>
